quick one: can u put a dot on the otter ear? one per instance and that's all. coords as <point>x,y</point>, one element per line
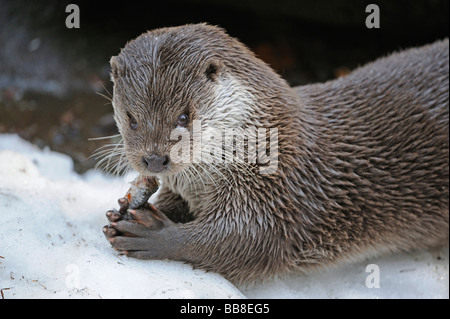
<point>114,68</point>
<point>213,69</point>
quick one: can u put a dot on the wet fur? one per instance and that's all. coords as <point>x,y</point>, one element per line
<point>363,159</point>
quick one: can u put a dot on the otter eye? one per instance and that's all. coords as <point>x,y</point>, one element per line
<point>132,121</point>
<point>183,120</point>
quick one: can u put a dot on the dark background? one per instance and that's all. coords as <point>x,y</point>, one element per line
<point>50,75</point>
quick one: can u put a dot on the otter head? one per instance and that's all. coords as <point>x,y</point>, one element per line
<point>167,79</point>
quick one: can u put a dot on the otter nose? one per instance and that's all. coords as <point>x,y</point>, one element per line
<point>156,163</point>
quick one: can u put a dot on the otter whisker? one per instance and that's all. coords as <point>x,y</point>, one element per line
<point>103,137</point>
<point>190,178</point>
<point>200,176</point>
<point>104,150</point>
<point>106,97</point>
<point>109,97</point>
<point>112,157</point>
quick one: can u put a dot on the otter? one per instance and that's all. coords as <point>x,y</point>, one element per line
<point>362,160</point>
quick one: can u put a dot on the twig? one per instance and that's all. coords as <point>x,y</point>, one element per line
<point>1,291</point>
<point>35,280</point>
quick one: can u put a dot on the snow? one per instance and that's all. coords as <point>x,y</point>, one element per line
<point>52,246</point>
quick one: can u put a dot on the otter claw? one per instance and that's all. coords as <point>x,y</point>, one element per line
<point>113,215</point>
<point>123,204</point>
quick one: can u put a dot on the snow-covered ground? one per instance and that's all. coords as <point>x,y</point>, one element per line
<point>52,246</point>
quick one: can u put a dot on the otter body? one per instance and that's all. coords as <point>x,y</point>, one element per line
<point>363,160</point>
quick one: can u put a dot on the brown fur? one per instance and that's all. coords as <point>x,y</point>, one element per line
<point>363,160</point>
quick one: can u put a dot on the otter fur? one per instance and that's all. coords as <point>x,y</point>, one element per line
<point>363,160</point>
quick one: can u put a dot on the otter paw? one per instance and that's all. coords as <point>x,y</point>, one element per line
<point>150,217</point>
<point>140,236</point>
<point>115,215</point>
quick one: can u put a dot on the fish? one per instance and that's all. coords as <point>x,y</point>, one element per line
<point>142,188</point>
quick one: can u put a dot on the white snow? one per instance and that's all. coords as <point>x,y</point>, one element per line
<point>52,246</point>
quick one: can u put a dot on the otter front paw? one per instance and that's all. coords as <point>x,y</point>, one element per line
<point>138,233</point>
<point>115,215</point>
